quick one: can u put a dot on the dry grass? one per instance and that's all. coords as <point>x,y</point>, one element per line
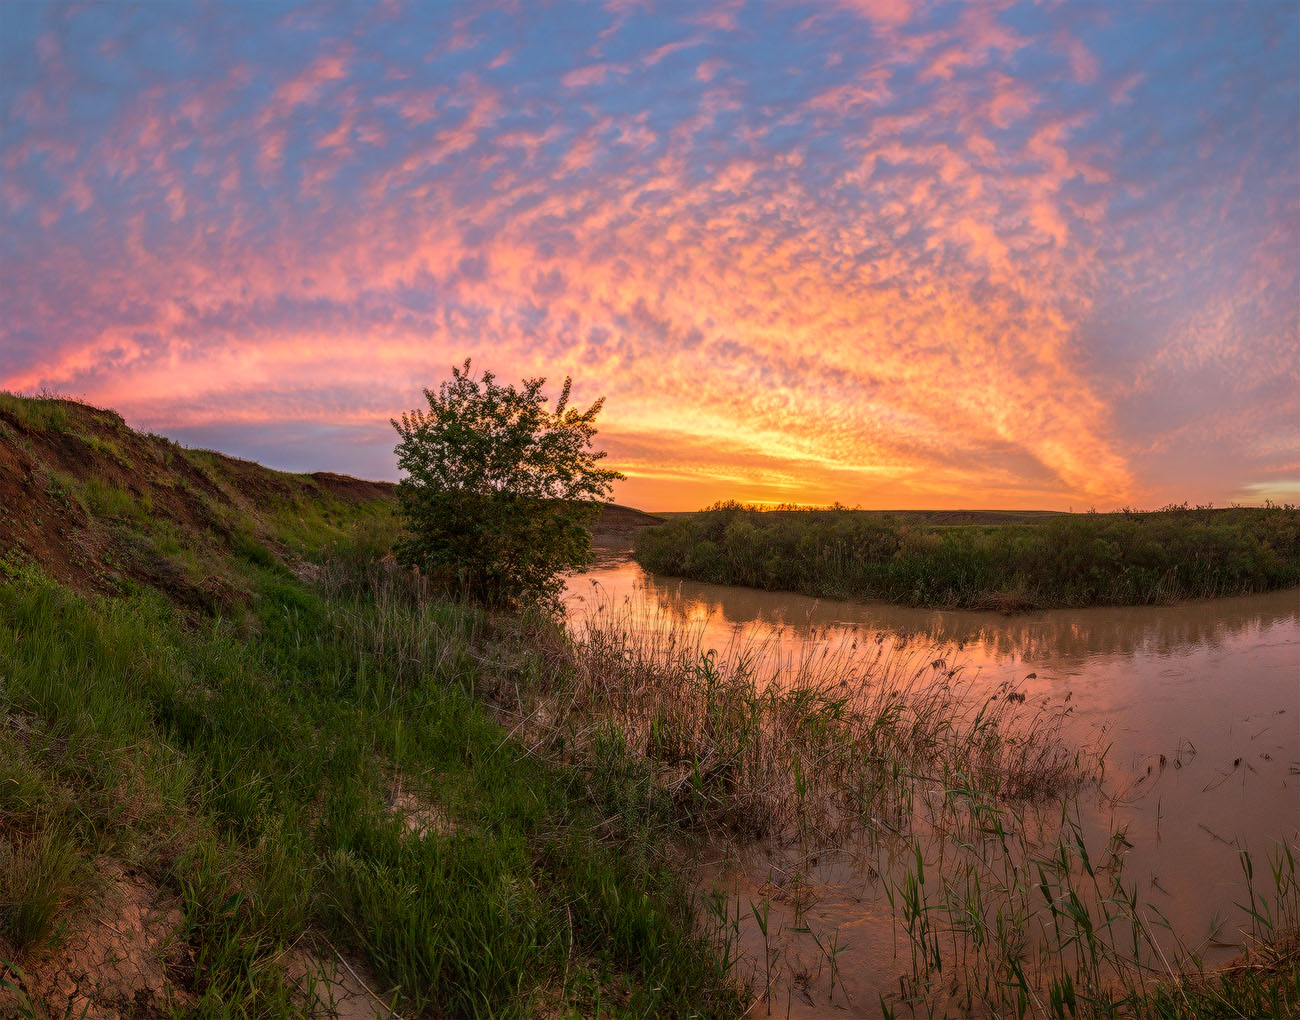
<point>794,732</point>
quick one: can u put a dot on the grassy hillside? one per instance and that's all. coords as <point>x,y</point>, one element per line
<point>102,508</point>
<point>990,559</point>
<point>246,770</point>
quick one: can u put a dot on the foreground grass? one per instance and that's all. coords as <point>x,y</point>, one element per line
<point>250,767</point>
<point>1064,560</point>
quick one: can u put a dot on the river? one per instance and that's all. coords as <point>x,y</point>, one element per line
<point>1197,706</point>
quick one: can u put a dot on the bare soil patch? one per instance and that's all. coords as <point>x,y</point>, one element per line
<point>121,957</point>
<point>336,988</point>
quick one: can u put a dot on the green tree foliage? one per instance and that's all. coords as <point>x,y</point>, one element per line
<point>500,491</point>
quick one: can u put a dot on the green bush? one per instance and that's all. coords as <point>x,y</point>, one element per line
<point>499,491</point>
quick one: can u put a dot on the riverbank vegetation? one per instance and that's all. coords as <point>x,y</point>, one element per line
<point>763,740</point>
<point>1020,917</point>
<point>1126,558</point>
<point>236,776</point>
<point>500,490</point>
<point>250,766</point>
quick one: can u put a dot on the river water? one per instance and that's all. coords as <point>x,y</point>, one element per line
<point>1197,706</point>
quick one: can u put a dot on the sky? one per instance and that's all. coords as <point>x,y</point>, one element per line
<point>892,253</point>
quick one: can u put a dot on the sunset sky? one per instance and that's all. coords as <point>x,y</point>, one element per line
<point>888,252</point>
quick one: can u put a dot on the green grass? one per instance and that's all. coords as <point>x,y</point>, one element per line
<point>38,413</point>
<point>249,768</point>
<point>1064,560</point>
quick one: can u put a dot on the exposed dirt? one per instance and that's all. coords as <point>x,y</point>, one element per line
<point>337,988</point>
<point>58,457</point>
<point>419,815</point>
<point>121,958</point>
<point>359,489</point>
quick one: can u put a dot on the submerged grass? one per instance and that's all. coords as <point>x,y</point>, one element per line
<point>1126,558</point>
<point>1021,920</point>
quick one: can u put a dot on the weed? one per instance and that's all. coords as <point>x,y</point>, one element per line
<point>765,737</point>
<point>44,413</point>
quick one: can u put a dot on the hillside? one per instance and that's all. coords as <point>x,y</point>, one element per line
<point>249,768</point>
<point>102,507</point>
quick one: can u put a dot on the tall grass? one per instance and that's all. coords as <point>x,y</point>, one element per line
<point>789,735</point>
<point>249,768</point>
<point>1026,920</point>
<point>1069,560</point>
<point>42,877</point>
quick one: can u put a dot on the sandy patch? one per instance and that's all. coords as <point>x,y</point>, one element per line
<point>418,814</point>
<point>336,988</point>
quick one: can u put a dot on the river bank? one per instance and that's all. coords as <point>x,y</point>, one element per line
<point>1006,562</point>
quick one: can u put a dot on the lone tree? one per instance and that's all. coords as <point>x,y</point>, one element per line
<point>500,491</point>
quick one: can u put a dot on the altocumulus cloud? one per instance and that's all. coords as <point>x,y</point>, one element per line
<point>883,251</point>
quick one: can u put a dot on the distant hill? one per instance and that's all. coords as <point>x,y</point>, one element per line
<point>616,521</point>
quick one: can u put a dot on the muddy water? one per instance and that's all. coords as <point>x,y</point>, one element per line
<point>1213,687</point>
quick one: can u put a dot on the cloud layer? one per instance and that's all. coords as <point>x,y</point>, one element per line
<point>887,252</point>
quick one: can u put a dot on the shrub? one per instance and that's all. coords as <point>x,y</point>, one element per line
<point>499,490</point>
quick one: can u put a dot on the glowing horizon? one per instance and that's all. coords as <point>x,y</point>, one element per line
<point>884,252</point>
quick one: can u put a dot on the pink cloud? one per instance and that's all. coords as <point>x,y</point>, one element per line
<point>584,77</point>
<point>873,280</point>
<point>882,12</point>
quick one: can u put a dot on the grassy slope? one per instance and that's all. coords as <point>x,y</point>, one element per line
<point>965,559</point>
<point>201,686</point>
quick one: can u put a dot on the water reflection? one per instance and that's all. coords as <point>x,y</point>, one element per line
<point>1061,636</point>
<point>1213,687</point>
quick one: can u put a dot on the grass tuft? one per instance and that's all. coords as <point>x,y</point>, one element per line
<point>42,879</point>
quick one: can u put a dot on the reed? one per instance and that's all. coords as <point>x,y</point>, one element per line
<point>794,733</point>
<point>1025,919</point>
<point>1126,558</point>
